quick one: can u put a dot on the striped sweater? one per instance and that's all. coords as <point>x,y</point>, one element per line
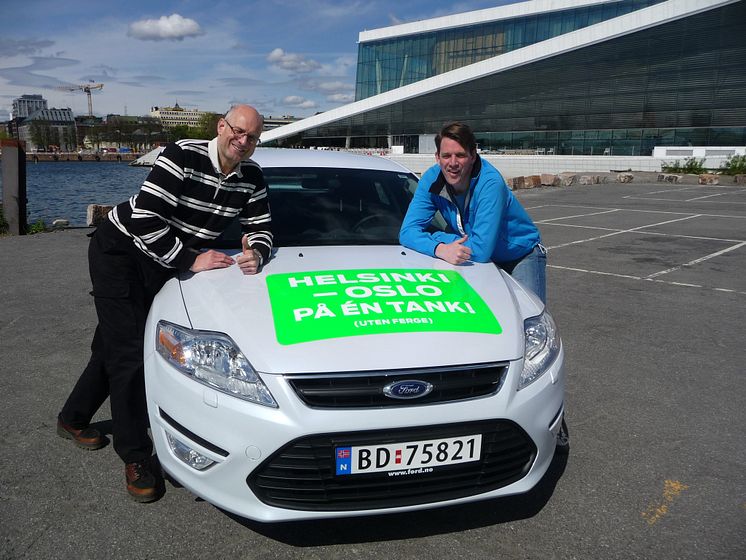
<point>186,201</point>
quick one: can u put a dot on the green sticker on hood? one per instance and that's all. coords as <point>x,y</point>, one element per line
<point>308,306</point>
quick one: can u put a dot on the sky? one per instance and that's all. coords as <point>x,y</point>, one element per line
<point>285,57</point>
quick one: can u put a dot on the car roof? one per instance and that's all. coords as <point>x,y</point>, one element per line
<point>282,157</point>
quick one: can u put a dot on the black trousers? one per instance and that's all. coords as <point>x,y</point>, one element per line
<point>125,282</point>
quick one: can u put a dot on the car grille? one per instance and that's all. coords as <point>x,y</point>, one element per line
<point>366,390</point>
<point>301,475</point>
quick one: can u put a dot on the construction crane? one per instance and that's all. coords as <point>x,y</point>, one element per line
<point>86,88</point>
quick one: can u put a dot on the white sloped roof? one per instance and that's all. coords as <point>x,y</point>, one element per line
<point>147,160</point>
<point>511,11</point>
<point>632,22</point>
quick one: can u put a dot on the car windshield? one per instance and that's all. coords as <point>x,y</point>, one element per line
<point>328,206</point>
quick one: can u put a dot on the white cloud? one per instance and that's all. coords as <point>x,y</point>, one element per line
<point>335,91</point>
<point>172,28</point>
<point>14,47</point>
<point>342,10</point>
<point>329,87</point>
<point>299,102</point>
<point>340,98</point>
<point>31,75</point>
<point>340,67</point>
<point>394,20</point>
<point>292,62</point>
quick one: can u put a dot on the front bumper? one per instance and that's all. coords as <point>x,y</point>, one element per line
<point>248,441</point>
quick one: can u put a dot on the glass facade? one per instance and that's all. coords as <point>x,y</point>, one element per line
<point>391,63</point>
<point>680,83</point>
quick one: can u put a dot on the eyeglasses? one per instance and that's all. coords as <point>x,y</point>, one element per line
<point>241,134</point>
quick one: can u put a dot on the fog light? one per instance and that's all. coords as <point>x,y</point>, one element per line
<point>191,457</point>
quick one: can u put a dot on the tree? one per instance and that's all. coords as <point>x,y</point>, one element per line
<point>95,136</point>
<point>41,134</point>
<point>208,125</point>
<point>180,132</point>
<point>69,138</point>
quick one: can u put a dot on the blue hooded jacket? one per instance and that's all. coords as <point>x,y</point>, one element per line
<point>499,228</point>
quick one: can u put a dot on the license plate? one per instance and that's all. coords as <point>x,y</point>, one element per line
<point>411,457</point>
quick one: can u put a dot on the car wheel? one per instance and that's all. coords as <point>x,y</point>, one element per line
<point>563,439</point>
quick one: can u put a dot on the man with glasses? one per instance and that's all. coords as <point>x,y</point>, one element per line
<point>194,191</point>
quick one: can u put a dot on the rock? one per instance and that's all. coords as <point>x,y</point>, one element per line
<point>97,213</point>
<point>589,180</point>
<point>708,179</point>
<point>532,181</point>
<point>60,223</point>
<point>517,183</point>
<point>669,178</point>
<point>625,177</point>
<point>567,179</point>
<point>549,180</point>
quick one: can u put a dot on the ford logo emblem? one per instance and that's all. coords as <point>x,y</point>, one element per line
<point>409,389</point>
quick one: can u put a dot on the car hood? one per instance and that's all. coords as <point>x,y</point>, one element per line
<point>327,309</point>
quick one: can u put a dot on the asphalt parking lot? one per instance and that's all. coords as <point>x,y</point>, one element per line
<point>647,282</point>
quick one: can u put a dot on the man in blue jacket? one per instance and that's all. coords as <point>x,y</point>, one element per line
<point>486,222</point>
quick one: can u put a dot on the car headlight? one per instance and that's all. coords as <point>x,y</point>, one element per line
<point>213,359</point>
<point>542,347</point>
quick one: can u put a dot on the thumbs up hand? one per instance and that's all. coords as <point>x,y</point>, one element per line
<point>250,259</point>
<point>455,252</point>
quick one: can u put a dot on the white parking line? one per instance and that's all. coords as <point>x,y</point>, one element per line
<point>677,200</point>
<point>730,191</point>
<point>706,196</point>
<point>706,215</point>
<point>656,280</point>
<point>642,232</point>
<point>578,226</point>
<point>623,231</point>
<point>578,216</point>
<point>665,191</point>
<point>696,261</point>
<point>599,272</point>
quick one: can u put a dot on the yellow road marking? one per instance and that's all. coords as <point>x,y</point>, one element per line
<point>671,490</point>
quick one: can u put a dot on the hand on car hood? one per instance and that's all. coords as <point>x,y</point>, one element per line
<point>325,309</point>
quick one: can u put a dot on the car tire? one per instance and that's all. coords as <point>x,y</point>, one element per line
<point>563,439</point>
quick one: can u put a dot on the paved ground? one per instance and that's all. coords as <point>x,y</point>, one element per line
<point>648,285</point>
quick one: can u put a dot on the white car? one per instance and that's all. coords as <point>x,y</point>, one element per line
<point>351,376</point>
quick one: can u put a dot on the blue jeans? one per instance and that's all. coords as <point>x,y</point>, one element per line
<point>530,271</point>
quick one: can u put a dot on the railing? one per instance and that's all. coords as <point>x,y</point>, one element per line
<point>35,157</point>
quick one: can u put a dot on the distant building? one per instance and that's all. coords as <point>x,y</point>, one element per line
<point>49,130</point>
<point>126,119</point>
<point>26,105</point>
<point>12,126</point>
<point>271,122</point>
<point>172,117</point>
<point>549,76</point>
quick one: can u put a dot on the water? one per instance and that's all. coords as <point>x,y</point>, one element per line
<point>65,189</point>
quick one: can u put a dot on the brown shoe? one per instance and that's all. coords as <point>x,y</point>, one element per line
<point>142,483</point>
<point>85,438</point>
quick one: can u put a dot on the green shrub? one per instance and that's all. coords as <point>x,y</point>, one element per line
<point>37,227</point>
<point>690,165</point>
<point>735,165</point>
